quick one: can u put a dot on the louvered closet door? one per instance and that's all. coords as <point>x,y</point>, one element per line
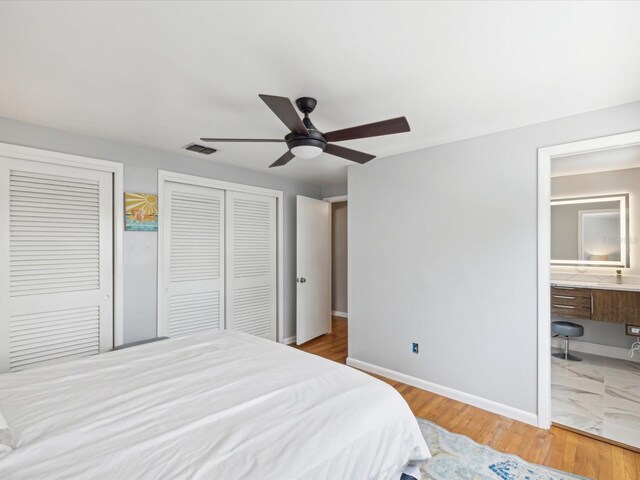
<point>251,264</point>
<point>193,236</point>
<point>56,262</point>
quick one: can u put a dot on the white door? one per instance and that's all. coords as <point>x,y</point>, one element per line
<point>313,311</point>
<point>251,264</point>
<point>56,262</point>
<point>193,259</point>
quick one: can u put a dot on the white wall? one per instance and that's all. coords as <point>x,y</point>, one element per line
<point>339,256</point>
<point>140,175</point>
<point>442,251</point>
<point>334,190</point>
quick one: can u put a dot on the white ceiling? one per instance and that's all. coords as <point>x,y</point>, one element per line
<point>163,74</point>
<point>599,161</point>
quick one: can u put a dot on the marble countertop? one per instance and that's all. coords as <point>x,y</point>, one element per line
<point>605,282</point>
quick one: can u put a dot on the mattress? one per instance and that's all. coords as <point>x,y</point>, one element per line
<point>220,405</point>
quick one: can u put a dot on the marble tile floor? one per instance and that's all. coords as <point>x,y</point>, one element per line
<point>598,395</point>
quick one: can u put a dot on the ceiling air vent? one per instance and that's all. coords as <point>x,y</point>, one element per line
<point>200,149</point>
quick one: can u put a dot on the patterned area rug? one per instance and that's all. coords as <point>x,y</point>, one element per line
<point>460,458</point>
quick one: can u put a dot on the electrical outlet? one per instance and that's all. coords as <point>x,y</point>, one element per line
<point>414,348</point>
<point>633,330</point>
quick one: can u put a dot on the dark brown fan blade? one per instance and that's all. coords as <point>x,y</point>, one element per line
<point>207,139</point>
<point>385,127</point>
<point>353,155</point>
<point>283,160</point>
<point>285,111</point>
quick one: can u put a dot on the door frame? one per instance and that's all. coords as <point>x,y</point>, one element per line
<point>168,176</point>
<point>89,163</point>
<point>545,155</point>
<point>336,199</point>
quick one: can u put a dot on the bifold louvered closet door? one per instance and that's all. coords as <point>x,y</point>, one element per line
<point>193,277</point>
<point>251,264</point>
<point>56,262</point>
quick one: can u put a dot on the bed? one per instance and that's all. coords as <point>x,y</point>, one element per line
<point>220,405</point>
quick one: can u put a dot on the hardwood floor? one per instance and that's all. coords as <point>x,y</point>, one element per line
<point>555,448</point>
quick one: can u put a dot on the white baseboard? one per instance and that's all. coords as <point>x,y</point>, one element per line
<point>289,340</point>
<point>340,314</point>
<point>483,403</point>
<point>595,349</point>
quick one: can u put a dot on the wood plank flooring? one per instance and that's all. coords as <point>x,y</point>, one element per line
<point>555,448</point>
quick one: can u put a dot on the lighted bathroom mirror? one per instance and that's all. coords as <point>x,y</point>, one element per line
<point>590,231</point>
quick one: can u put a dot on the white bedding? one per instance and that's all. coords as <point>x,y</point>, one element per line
<point>215,406</point>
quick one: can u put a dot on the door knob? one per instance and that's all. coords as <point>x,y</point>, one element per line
<point>302,280</point>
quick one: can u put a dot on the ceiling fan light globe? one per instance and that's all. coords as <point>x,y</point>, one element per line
<point>306,151</point>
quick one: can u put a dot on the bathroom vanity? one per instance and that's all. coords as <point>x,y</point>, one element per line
<point>609,299</point>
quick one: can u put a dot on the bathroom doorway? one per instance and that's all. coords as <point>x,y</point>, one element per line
<point>339,260</point>
<point>589,288</point>
<point>339,257</point>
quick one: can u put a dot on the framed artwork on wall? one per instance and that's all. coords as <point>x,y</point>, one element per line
<point>141,212</point>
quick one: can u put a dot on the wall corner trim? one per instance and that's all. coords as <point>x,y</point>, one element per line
<point>479,402</point>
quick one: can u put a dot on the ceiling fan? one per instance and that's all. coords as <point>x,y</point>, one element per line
<point>306,141</point>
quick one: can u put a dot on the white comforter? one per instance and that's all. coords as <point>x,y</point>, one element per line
<point>215,406</point>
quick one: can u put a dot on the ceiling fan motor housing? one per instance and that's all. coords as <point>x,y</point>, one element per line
<point>315,139</point>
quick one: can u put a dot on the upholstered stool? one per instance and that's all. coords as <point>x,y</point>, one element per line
<point>566,330</point>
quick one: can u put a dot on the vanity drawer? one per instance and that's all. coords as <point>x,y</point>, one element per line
<point>571,291</point>
<point>571,310</point>
<point>568,298</point>
<point>571,301</point>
